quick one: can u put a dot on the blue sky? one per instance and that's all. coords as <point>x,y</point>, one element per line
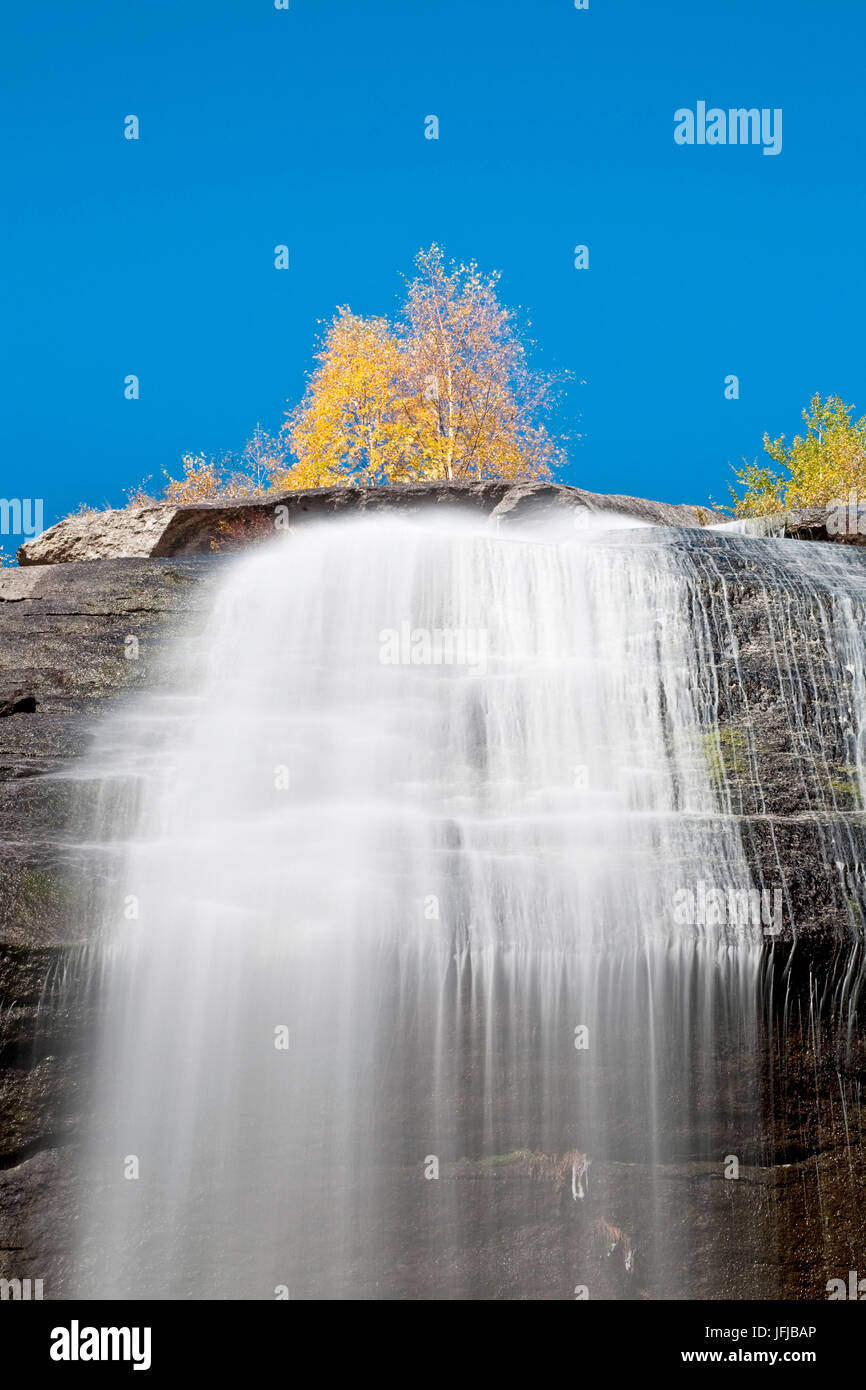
<point>306,127</point>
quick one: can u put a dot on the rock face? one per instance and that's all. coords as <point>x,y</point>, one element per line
<point>844,526</point>
<point>67,634</point>
<point>73,637</point>
<point>86,624</point>
<point>164,530</point>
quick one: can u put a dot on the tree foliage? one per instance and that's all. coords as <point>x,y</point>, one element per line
<point>353,424</point>
<point>476,405</point>
<point>201,481</point>
<point>445,392</point>
<point>822,465</point>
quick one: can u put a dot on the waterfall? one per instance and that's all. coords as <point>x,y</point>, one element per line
<point>432,938</point>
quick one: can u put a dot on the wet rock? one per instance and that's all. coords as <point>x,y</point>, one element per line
<point>74,640</point>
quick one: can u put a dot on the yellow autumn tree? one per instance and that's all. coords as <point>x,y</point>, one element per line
<point>447,394</point>
<point>477,402</point>
<point>822,465</point>
<point>353,424</point>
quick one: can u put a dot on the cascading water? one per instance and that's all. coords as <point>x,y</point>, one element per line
<point>409,983</point>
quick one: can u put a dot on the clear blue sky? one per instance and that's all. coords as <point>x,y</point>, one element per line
<point>306,127</point>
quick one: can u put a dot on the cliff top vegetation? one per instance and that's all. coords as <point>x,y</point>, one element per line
<point>445,391</point>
